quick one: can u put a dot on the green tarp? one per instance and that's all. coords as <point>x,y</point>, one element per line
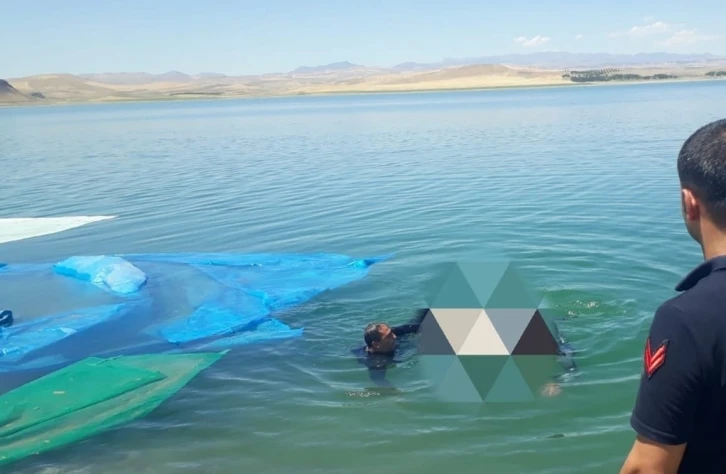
<point>89,397</point>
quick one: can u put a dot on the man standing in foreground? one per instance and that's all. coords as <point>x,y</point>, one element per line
<point>680,411</point>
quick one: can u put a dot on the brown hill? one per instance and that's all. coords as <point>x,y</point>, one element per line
<point>68,88</point>
<point>9,94</point>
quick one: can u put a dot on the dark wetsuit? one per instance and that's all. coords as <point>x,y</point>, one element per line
<point>378,363</point>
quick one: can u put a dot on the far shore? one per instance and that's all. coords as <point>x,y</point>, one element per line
<point>347,92</point>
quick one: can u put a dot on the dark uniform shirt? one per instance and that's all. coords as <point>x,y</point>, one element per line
<point>682,393</point>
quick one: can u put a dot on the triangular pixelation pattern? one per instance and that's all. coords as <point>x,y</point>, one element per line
<point>552,317</point>
<point>537,370</point>
<point>512,292</point>
<point>483,278</point>
<point>432,285</point>
<point>432,340</point>
<point>457,386</point>
<point>537,339</point>
<point>509,386</point>
<point>451,290</point>
<point>435,367</point>
<point>510,324</point>
<point>483,371</point>
<point>483,339</point>
<point>456,324</point>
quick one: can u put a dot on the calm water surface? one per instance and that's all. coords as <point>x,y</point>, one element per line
<point>577,184</point>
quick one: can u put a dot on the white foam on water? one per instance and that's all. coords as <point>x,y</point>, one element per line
<point>20,228</point>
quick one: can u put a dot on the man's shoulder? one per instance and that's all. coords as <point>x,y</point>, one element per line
<point>692,319</point>
<point>679,318</point>
<point>681,362</point>
<point>698,308</point>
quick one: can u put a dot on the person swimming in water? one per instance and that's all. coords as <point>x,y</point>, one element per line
<point>385,345</point>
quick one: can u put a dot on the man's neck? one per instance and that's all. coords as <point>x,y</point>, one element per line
<point>713,240</point>
<point>714,247</point>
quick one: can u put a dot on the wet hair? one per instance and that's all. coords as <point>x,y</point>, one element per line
<point>702,168</point>
<point>372,333</point>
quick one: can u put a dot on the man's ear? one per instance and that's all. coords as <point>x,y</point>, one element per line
<point>691,206</point>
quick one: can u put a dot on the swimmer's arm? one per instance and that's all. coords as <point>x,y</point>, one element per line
<point>412,326</point>
<point>405,329</point>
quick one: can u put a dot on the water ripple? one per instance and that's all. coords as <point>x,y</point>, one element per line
<point>577,184</point>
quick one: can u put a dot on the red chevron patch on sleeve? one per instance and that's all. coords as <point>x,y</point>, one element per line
<point>653,360</point>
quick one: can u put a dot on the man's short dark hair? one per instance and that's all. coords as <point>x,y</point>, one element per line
<point>372,333</point>
<point>702,168</point>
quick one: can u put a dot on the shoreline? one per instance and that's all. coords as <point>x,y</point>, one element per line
<point>191,98</point>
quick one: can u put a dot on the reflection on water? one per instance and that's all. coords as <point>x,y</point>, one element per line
<point>577,184</point>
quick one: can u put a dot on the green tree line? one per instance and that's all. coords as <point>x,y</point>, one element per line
<point>609,74</point>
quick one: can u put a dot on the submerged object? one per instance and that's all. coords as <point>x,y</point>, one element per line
<point>113,274</point>
<point>89,397</point>
<point>6,318</point>
<point>211,320</point>
<point>190,299</point>
<point>20,228</point>
<point>265,330</point>
<point>254,287</point>
<point>23,339</point>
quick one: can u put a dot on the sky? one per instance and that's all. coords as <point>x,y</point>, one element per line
<point>245,37</point>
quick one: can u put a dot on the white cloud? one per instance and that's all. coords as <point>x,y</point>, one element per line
<point>650,29</point>
<point>641,31</point>
<point>687,37</point>
<point>578,37</point>
<point>535,41</point>
<point>670,35</point>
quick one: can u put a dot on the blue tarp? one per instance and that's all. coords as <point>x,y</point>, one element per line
<point>253,286</point>
<point>25,338</point>
<point>113,274</point>
<point>190,300</point>
<point>266,330</point>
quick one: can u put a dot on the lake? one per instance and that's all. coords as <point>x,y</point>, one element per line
<point>577,184</point>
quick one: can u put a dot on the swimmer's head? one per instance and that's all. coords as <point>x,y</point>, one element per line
<point>379,338</point>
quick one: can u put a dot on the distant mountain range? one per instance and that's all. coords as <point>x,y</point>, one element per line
<point>564,60</point>
<point>146,78</point>
<point>514,70</point>
<point>340,66</point>
<point>545,60</point>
